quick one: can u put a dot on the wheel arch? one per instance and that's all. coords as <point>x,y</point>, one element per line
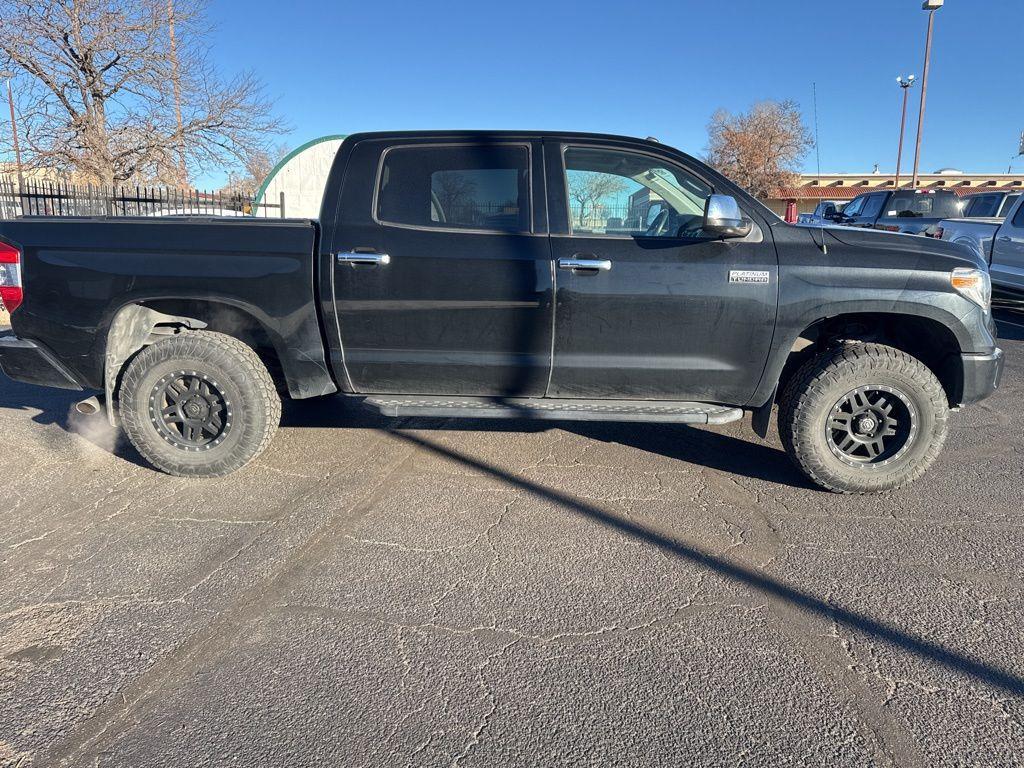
<point>142,322</point>
<point>922,336</point>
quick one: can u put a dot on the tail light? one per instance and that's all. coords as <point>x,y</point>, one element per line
<point>11,292</point>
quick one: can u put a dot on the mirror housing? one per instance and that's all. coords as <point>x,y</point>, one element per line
<point>723,217</point>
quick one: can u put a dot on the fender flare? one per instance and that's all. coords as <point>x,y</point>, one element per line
<point>130,330</point>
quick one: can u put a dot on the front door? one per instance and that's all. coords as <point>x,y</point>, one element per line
<point>653,308</point>
<point>443,284</point>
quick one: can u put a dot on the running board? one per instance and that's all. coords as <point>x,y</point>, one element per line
<point>547,408</point>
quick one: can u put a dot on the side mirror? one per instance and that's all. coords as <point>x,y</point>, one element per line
<point>723,217</point>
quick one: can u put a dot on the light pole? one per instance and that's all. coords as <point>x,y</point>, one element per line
<point>14,133</point>
<point>176,82</point>
<point>905,86</point>
<point>1020,153</point>
<point>931,6</point>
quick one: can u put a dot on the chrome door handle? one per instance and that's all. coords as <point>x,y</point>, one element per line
<point>364,259</point>
<point>602,265</point>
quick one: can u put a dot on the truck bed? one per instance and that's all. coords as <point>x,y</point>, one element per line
<point>73,267</point>
<point>976,234</point>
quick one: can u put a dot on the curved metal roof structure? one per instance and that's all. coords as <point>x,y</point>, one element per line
<point>301,176</point>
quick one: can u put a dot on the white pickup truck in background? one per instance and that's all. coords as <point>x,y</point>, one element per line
<point>999,241</point>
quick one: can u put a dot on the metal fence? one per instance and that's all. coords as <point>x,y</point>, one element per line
<point>61,199</point>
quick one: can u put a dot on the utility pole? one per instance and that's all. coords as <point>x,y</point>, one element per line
<point>905,86</point>
<point>931,6</point>
<point>176,83</point>
<point>14,133</point>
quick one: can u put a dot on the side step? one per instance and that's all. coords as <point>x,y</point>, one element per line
<point>546,408</point>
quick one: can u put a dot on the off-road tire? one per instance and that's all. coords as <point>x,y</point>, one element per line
<point>813,392</point>
<point>253,410</point>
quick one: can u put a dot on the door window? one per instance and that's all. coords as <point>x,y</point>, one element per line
<point>471,187</point>
<point>873,206</point>
<point>855,207</point>
<point>1018,219</point>
<point>615,193</point>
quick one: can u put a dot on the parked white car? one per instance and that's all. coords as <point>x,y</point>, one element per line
<point>999,241</point>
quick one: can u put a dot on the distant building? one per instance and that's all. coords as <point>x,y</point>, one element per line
<point>811,189</point>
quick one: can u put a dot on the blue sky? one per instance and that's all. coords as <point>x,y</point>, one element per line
<point>658,67</point>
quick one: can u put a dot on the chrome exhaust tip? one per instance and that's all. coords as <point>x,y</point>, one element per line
<point>88,407</point>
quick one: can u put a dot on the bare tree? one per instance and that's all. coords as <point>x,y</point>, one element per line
<point>100,81</point>
<point>760,150</point>
<point>254,171</point>
<point>455,192</point>
<point>590,189</point>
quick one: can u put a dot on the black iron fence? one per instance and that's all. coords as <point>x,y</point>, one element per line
<point>35,198</point>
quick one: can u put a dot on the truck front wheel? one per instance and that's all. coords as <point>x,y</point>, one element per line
<point>199,404</point>
<point>863,418</point>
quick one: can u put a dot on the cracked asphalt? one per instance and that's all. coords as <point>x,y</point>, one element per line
<point>425,592</point>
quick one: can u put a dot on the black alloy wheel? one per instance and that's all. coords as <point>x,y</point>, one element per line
<point>871,426</point>
<point>189,411</point>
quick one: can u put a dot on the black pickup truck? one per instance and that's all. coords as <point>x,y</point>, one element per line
<point>911,211</point>
<point>508,275</point>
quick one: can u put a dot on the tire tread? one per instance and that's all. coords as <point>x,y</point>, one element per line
<point>203,346</point>
<point>808,386</point>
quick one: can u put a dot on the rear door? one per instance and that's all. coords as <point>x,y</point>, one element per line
<point>648,306</point>
<point>1007,266</point>
<point>441,269</point>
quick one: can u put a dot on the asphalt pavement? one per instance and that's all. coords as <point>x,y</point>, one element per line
<point>425,592</point>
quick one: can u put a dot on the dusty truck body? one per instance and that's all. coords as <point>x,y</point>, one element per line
<point>509,275</point>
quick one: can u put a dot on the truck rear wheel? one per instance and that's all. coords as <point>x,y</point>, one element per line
<point>863,418</point>
<point>199,404</point>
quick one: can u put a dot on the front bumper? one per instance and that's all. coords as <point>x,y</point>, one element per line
<point>31,363</point>
<point>982,374</point>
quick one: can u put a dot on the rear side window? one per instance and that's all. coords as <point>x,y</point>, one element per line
<point>1018,219</point>
<point>984,206</point>
<point>1011,200</point>
<point>924,206</point>
<point>472,187</point>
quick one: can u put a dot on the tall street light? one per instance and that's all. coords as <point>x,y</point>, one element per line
<point>905,86</point>
<point>14,131</point>
<point>931,6</point>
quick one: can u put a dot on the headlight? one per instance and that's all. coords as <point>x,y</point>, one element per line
<point>975,284</point>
